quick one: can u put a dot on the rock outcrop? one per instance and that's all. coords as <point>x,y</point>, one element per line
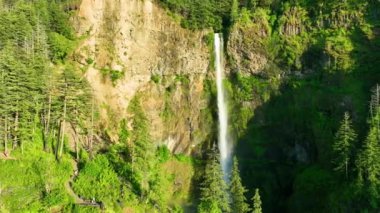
<point>152,52</point>
<point>245,47</point>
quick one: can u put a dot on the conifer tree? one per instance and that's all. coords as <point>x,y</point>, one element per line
<point>238,199</point>
<point>374,111</point>
<point>141,149</point>
<point>368,161</point>
<point>343,144</point>
<point>75,98</point>
<point>214,197</point>
<point>257,202</point>
<point>15,89</point>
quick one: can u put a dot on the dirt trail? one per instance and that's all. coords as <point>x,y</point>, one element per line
<point>68,185</point>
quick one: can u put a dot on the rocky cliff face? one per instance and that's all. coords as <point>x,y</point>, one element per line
<point>152,57</point>
<point>246,49</point>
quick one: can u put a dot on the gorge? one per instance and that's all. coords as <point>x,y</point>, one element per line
<point>189,106</point>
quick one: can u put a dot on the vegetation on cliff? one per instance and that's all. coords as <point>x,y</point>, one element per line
<point>304,107</point>
<point>293,140</point>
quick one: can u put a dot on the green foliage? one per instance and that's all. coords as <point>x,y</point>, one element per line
<point>214,196</point>
<point>56,197</point>
<point>238,199</point>
<point>257,202</point>
<point>339,47</point>
<point>89,61</point>
<point>200,14</point>
<point>368,162</point>
<point>234,10</point>
<point>169,180</point>
<point>163,154</point>
<point>209,207</point>
<point>326,61</point>
<point>60,46</point>
<point>84,209</point>
<point>312,181</point>
<point>183,158</point>
<point>98,180</point>
<point>142,149</point>
<point>124,133</point>
<point>59,20</point>
<point>156,78</point>
<point>345,137</point>
<point>247,87</point>
<point>33,181</point>
<point>114,75</point>
<point>328,53</point>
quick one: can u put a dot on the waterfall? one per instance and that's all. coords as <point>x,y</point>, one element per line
<point>223,138</point>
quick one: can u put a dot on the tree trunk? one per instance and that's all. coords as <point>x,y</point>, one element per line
<point>57,145</point>
<point>47,124</point>
<point>76,142</point>
<point>63,129</point>
<point>15,138</point>
<point>346,168</point>
<point>6,136</point>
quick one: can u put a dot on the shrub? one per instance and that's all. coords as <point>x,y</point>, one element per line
<point>114,75</point>
<point>89,61</point>
<point>155,78</point>
<point>163,154</point>
<point>98,180</point>
<point>60,46</point>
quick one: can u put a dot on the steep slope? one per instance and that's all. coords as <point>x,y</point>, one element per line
<point>138,50</point>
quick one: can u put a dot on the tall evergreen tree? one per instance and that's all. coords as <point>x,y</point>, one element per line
<point>257,202</point>
<point>342,146</point>
<point>374,111</point>
<point>238,199</point>
<point>214,197</point>
<point>141,149</point>
<point>368,161</point>
<point>75,104</point>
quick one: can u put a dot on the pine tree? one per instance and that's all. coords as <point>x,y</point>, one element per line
<point>368,161</point>
<point>237,190</point>
<point>343,144</point>
<point>375,111</point>
<point>76,100</point>
<point>257,202</point>
<point>214,197</point>
<point>15,90</point>
<point>141,149</point>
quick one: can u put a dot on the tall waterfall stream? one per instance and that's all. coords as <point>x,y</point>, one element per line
<point>223,139</point>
